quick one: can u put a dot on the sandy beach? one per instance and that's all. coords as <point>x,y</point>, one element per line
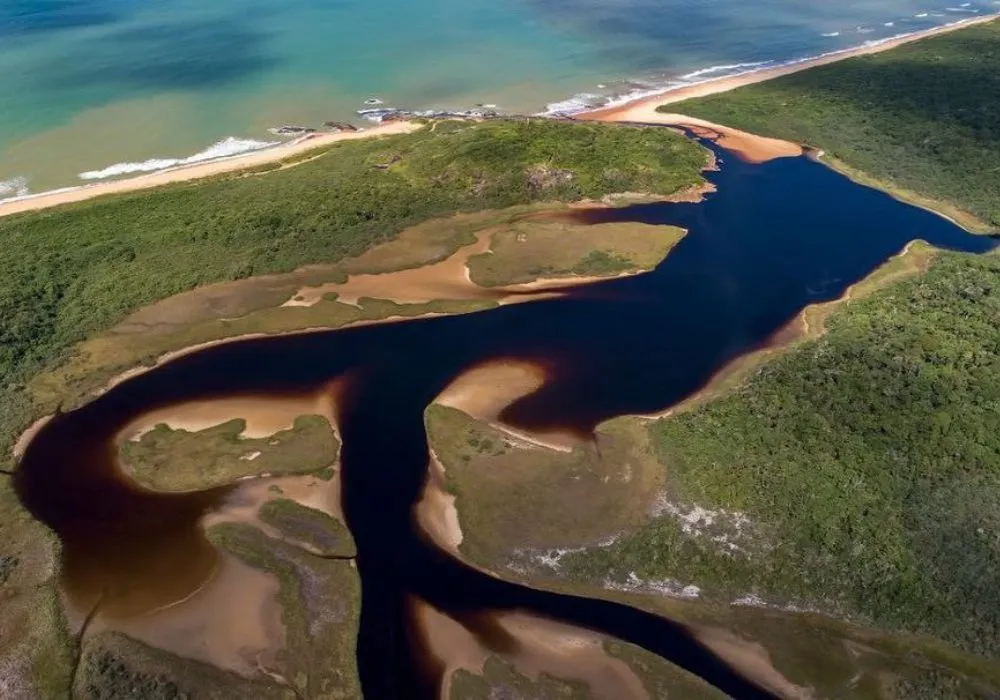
<point>749,147</point>
<point>44,200</point>
<point>642,110</point>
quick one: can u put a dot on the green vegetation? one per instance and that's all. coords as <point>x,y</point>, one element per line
<point>322,533</point>
<point>513,495</point>
<point>69,273</point>
<point>920,119</point>
<point>501,680</point>
<point>177,460</point>
<point>36,649</point>
<point>321,604</point>
<point>856,474</point>
<point>115,667</point>
<point>529,250</point>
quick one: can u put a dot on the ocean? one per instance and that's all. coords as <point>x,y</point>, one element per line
<point>100,89</point>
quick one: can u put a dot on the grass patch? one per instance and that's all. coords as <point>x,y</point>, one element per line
<point>865,463</point>
<point>321,607</point>
<point>501,680</point>
<point>919,120</point>
<point>530,250</point>
<point>164,459</point>
<point>116,667</point>
<point>661,678</point>
<point>513,496</point>
<point>323,533</point>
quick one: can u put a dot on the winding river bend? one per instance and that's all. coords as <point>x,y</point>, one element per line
<point>773,239</point>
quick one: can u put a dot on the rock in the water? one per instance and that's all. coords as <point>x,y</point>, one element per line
<point>339,126</point>
<point>291,130</point>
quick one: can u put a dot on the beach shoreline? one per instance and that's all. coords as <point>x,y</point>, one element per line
<point>643,109</point>
<point>195,171</point>
<point>639,110</point>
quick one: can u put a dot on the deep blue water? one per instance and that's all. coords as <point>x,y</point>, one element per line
<point>88,84</point>
<point>774,238</point>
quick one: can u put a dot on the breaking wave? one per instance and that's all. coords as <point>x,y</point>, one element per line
<point>14,188</point>
<point>227,148</point>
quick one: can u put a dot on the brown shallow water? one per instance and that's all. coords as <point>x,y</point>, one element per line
<point>774,238</point>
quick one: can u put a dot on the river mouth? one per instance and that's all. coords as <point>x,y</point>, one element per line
<point>773,239</point>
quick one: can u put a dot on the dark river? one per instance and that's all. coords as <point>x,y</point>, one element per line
<point>774,238</point>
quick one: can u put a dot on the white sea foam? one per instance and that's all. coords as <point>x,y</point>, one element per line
<point>724,69</point>
<point>227,148</point>
<point>587,101</point>
<point>830,35</point>
<point>14,188</point>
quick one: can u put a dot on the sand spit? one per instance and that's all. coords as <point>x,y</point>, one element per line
<point>747,146</point>
<point>541,647</point>
<point>200,170</point>
<point>751,660</point>
<point>483,392</point>
<point>436,512</point>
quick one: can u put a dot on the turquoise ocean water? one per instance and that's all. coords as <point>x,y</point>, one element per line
<point>95,89</point>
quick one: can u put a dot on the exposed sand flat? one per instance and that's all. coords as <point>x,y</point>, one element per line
<point>436,513</point>
<point>243,505</point>
<point>749,147</point>
<point>542,646</point>
<point>447,279</point>
<point>484,391</point>
<point>637,110</point>
<point>264,416</point>
<point>233,621</point>
<point>752,661</point>
<point>193,172</point>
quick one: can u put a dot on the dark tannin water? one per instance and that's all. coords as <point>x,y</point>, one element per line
<point>775,238</point>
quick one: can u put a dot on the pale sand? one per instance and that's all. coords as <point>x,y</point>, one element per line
<point>750,147</point>
<point>200,170</point>
<point>542,647</point>
<point>484,391</point>
<point>243,505</point>
<point>751,660</point>
<point>638,110</point>
<point>233,621</point>
<point>436,513</point>
<point>448,279</point>
<point>264,415</point>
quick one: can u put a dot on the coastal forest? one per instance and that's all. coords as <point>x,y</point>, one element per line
<point>920,119</point>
